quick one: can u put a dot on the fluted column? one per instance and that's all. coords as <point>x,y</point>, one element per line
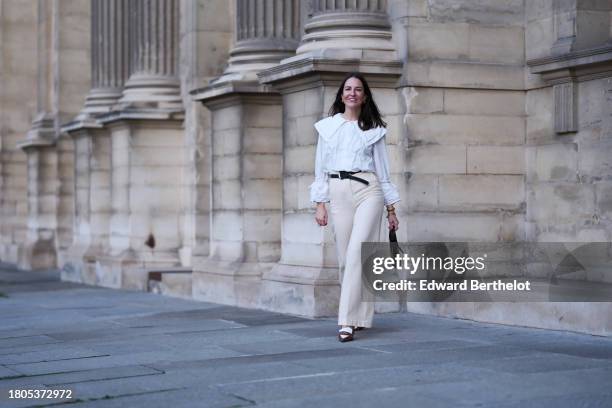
<point>267,31</point>
<point>147,152</point>
<point>347,24</point>
<point>154,31</point>
<point>109,54</point>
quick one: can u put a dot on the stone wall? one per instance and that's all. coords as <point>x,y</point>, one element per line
<point>568,179</point>
<point>18,107</point>
<point>462,89</point>
<point>487,163</point>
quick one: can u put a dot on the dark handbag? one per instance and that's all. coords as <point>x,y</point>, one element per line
<point>394,247</point>
<point>394,250</point>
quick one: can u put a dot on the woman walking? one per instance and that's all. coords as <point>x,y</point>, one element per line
<point>352,175</point>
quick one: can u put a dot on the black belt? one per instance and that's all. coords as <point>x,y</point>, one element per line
<point>349,175</point>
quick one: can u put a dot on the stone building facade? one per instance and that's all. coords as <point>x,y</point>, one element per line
<point>168,144</point>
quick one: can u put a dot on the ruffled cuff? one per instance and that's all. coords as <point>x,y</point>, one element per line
<point>390,193</point>
<point>319,191</point>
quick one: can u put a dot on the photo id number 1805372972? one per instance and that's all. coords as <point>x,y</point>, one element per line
<point>39,394</point>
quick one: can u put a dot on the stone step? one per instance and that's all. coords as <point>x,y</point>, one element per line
<point>175,282</point>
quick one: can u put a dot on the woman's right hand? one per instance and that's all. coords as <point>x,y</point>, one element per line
<point>321,215</point>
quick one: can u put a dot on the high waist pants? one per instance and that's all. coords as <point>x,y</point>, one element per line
<point>356,211</point>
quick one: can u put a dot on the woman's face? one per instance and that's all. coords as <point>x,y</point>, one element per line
<point>353,95</point>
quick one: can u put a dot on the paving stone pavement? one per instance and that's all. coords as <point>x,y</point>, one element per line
<point>118,348</point>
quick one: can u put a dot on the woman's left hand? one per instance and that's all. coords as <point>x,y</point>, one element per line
<point>393,222</point>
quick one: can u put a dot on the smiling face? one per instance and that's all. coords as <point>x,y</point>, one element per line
<point>353,95</point>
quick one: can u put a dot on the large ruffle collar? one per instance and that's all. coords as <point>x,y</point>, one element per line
<point>328,129</point>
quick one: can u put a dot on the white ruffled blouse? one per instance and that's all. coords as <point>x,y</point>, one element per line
<point>342,145</point>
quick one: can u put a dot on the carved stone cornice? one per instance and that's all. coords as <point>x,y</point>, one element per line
<point>41,134</point>
<point>216,94</point>
<point>580,65</point>
<point>141,114</point>
<point>307,71</point>
<point>563,72</point>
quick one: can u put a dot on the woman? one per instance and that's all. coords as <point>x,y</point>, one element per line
<point>352,174</point>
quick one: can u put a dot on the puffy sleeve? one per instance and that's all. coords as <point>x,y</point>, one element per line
<point>374,135</point>
<point>381,166</point>
<point>319,189</point>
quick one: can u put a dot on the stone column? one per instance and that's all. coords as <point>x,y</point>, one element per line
<point>109,54</point>
<point>40,249</point>
<point>246,192</point>
<point>267,31</point>
<point>31,240</point>
<point>348,24</point>
<point>153,81</point>
<point>49,151</point>
<point>339,37</point>
<point>92,174</point>
<point>109,70</point>
<point>147,152</point>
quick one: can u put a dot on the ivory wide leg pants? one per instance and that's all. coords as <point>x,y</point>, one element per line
<point>356,211</point>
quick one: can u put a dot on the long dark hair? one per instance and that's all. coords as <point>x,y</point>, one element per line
<point>370,115</point>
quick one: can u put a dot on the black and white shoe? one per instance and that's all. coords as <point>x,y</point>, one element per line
<point>345,334</point>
